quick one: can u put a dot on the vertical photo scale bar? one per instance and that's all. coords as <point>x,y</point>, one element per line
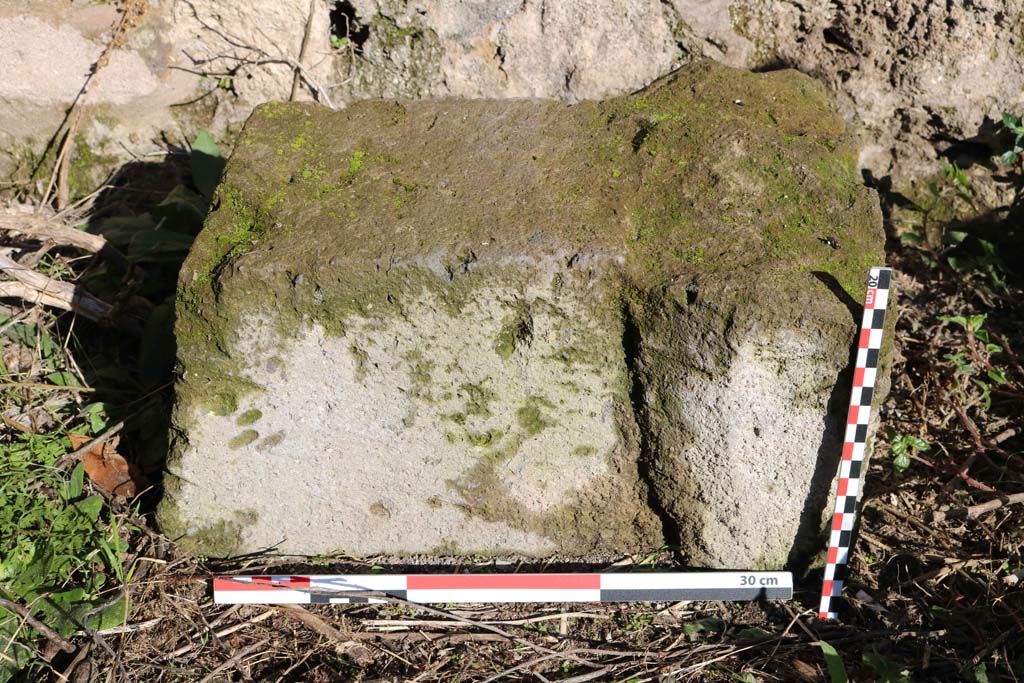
<point>869,345</point>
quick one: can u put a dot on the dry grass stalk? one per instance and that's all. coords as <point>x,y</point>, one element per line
<point>303,49</point>
<point>344,645</point>
<point>131,13</point>
<point>235,660</point>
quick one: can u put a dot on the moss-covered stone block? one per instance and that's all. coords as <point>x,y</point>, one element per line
<point>525,328</point>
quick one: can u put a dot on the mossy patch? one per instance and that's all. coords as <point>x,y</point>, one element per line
<point>223,403</point>
<point>220,538</point>
<point>530,416</point>
<point>516,330</point>
<point>243,438</point>
<point>249,417</point>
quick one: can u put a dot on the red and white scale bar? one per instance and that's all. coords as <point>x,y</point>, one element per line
<point>469,588</point>
<point>852,462</point>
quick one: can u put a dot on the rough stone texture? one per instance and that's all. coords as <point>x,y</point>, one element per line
<point>520,327</point>
<point>913,75</point>
<point>916,75</point>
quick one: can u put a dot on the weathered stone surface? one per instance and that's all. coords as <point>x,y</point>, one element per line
<point>521,327</point>
<point>915,75</point>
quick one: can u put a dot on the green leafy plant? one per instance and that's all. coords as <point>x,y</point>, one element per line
<point>60,552</point>
<point>638,621</point>
<point>957,179</point>
<point>902,447</point>
<point>338,42</point>
<point>207,164</point>
<point>61,547</point>
<point>834,664</point>
<point>942,199</point>
<point>1014,124</point>
<point>885,670</point>
<point>973,365</point>
<point>693,629</point>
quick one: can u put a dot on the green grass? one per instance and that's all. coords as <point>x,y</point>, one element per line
<point>60,547</point>
<point>63,541</point>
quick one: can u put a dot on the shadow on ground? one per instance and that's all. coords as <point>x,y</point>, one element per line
<point>149,213</point>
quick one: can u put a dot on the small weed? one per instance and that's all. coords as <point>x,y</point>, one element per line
<point>638,621</point>
<point>693,629</point>
<point>973,365</point>
<point>1014,124</point>
<point>885,670</point>
<point>902,447</point>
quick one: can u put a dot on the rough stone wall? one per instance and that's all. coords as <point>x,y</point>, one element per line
<point>916,75</point>
<point>913,74</point>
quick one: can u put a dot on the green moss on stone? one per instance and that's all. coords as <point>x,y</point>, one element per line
<point>220,538</point>
<point>223,403</point>
<point>244,438</point>
<point>483,439</point>
<point>270,441</point>
<point>517,329</point>
<point>361,358</point>
<point>249,417</point>
<point>530,418</point>
<point>87,167</point>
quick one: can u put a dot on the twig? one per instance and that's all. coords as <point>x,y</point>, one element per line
<point>264,57</point>
<point>78,453</point>
<point>409,623</point>
<point>47,632</point>
<point>428,637</point>
<point>234,660</point>
<point>131,11</point>
<point>481,625</point>
<point>539,660</point>
<point>131,628</point>
<point>589,676</point>
<point>919,525</point>
<point>979,447</point>
<point>42,289</point>
<point>19,290</point>
<point>344,645</point>
<point>223,632</point>
<point>37,227</point>
<point>83,652</point>
<point>295,665</point>
<point>975,511</point>
<point>297,78</point>
<point>312,621</point>
<point>455,617</point>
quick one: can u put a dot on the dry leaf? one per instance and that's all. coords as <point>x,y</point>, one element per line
<point>107,469</point>
<point>806,671</point>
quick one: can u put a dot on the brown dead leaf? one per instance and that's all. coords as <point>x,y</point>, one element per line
<point>107,469</point>
<point>806,671</point>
